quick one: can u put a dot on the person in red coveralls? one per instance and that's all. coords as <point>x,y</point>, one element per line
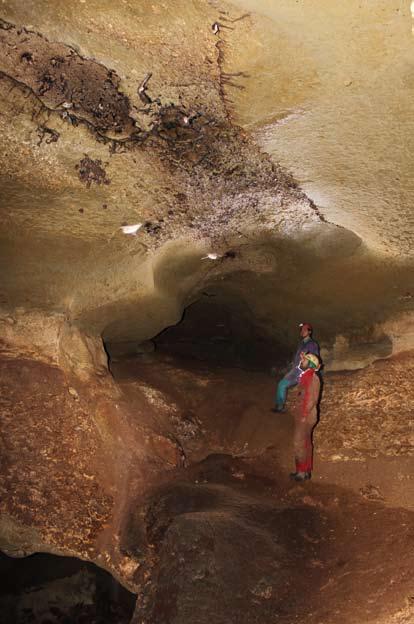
<point>306,415</point>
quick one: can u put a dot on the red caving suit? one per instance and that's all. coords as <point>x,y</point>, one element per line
<point>306,416</point>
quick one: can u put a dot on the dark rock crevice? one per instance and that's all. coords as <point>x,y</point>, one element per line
<point>46,588</point>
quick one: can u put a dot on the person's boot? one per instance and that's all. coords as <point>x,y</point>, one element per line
<point>300,476</point>
<point>278,410</point>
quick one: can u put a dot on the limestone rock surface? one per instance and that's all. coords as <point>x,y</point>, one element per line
<point>74,456</point>
<point>241,167</point>
<point>145,135</point>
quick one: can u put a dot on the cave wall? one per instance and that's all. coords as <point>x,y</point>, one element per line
<point>91,143</point>
<point>74,456</point>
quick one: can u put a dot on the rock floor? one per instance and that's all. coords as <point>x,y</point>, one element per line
<point>238,543</point>
<point>234,540</point>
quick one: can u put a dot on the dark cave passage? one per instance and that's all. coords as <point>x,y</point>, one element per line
<point>218,330</point>
<point>47,589</point>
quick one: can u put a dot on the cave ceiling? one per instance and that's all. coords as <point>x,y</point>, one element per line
<point>329,95</point>
<point>281,143</point>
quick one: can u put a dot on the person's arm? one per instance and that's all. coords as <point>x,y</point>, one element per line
<point>312,347</point>
<point>296,357</point>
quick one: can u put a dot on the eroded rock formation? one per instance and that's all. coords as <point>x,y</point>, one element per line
<point>155,116</point>
<point>73,454</point>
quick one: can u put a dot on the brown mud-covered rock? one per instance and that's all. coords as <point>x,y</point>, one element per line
<point>234,542</point>
<point>82,466</point>
<point>72,452</point>
<point>369,413</point>
<point>51,452</point>
<point>361,412</point>
<point>233,537</point>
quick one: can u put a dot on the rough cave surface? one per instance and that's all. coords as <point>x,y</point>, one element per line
<point>46,588</point>
<point>263,169</point>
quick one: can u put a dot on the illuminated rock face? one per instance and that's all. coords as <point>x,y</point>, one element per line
<point>328,92</point>
<point>146,163</point>
<point>92,144</point>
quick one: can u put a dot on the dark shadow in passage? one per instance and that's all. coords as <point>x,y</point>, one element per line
<point>47,588</point>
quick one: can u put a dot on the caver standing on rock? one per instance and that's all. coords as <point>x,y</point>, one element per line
<point>306,415</point>
<point>306,345</point>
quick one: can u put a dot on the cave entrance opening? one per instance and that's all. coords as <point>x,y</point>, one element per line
<point>44,588</point>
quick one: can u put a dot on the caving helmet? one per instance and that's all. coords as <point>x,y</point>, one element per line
<point>313,360</point>
<point>307,326</point>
